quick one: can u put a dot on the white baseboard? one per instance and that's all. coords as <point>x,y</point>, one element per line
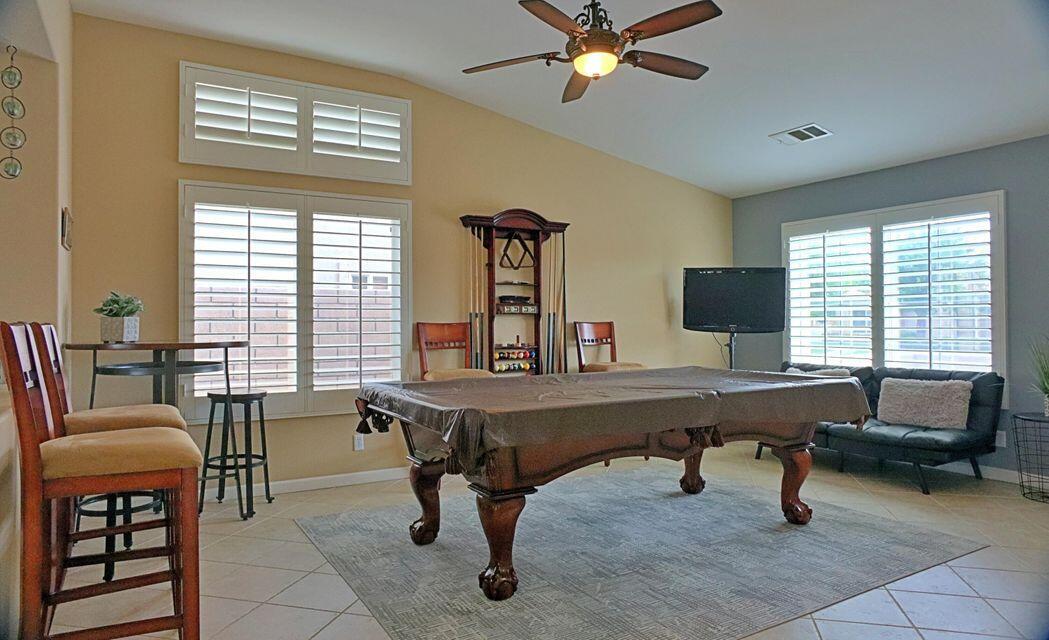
<point>317,482</point>
<point>991,473</point>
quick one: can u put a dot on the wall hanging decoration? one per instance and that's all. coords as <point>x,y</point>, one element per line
<point>11,136</point>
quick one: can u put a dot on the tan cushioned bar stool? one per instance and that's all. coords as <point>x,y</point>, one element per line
<point>108,453</point>
<point>132,416</point>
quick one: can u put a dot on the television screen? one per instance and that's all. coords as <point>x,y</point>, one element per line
<point>744,300</point>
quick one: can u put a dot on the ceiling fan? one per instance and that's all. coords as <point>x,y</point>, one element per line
<point>595,50</point>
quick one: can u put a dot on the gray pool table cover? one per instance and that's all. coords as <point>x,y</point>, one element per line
<point>476,415</point>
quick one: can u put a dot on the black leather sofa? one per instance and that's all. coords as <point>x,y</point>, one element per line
<point>907,443</point>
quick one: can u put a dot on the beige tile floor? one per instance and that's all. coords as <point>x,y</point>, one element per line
<point>262,580</point>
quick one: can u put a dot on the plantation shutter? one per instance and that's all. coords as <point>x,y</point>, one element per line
<point>245,287</point>
<point>316,284</point>
<point>359,134</point>
<point>238,119</point>
<point>356,132</point>
<point>245,116</point>
<point>357,309</point>
<point>938,293</point>
<point>830,298</point>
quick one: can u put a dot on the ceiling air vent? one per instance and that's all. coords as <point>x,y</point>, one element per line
<point>804,133</point>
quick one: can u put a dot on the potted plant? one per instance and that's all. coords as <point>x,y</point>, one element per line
<point>119,317</point>
<point>1041,371</point>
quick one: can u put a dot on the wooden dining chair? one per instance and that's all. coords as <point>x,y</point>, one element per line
<point>437,336</point>
<point>57,468</point>
<point>598,334</point>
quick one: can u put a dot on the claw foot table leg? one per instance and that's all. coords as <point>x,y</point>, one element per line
<point>692,482</point>
<point>425,478</point>
<point>796,466</point>
<point>499,520</point>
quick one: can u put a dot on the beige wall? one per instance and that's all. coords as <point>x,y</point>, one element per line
<point>627,242</point>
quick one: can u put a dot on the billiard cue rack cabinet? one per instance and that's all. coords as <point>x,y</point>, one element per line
<point>498,234</point>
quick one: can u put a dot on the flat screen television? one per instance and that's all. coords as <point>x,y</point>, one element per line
<point>737,300</point>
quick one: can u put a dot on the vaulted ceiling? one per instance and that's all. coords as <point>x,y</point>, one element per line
<point>895,80</point>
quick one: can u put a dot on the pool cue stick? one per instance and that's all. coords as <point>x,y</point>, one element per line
<point>554,336</point>
<point>475,325</point>
<point>564,304</point>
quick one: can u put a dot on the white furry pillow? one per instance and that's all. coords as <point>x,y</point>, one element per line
<point>925,403</point>
<point>838,373</point>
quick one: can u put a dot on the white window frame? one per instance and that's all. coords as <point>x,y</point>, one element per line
<point>876,219</point>
<point>304,402</point>
<point>303,160</point>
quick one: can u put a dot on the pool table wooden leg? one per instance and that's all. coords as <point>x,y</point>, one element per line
<point>425,479</point>
<point>692,482</point>
<point>499,520</point>
<point>796,466</point>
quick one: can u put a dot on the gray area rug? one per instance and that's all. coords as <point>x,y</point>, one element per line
<point>623,556</point>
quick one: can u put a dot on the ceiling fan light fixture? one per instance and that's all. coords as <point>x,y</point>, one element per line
<point>596,63</point>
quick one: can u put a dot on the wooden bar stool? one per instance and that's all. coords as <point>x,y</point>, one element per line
<point>596,334</point>
<point>45,338</point>
<point>56,468</point>
<point>230,461</point>
<point>436,336</point>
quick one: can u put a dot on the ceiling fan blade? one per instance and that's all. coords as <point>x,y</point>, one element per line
<point>553,16</point>
<point>506,63</point>
<point>673,20</point>
<point>667,65</point>
<point>575,88</point>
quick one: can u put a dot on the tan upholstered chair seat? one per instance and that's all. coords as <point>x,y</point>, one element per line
<point>129,417</point>
<point>437,375</point>
<point>112,452</point>
<point>600,367</point>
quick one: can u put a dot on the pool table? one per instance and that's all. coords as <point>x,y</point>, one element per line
<point>509,435</point>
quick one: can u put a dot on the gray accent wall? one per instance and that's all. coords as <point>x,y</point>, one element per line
<point>1020,168</point>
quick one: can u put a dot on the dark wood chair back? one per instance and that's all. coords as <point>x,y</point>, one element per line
<point>435,336</point>
<point>27,398</point>
<point>45,338</point>
<point>594,334</point>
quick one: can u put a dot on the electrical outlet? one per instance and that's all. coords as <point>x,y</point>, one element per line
<point>999,440</point>
<point>358,442</point>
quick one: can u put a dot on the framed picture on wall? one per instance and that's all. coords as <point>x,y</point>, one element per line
<point>67,229</point>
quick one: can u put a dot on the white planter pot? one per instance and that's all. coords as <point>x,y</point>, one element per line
<point>119,329</point>
<point>1046,399</point>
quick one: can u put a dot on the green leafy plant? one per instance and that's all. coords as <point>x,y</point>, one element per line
<point>118,306</point>
<point>1041,366</point>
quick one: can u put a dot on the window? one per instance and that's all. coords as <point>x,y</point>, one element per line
<point>830,297</point>
<point>236,119</point>
<point>315,283</point>
<point>937,293</point>
<point>920,286</point>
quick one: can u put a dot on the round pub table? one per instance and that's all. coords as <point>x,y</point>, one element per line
<point>165,366</point>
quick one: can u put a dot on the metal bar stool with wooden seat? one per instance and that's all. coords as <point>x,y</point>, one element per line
<point>56,468</point>
<point>230,461</point>
<point>597,334</point>
<point>437,336</point>
<point>45,338</point>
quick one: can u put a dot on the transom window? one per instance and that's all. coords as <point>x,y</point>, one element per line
<point>920,286</point>
<point>314,282</point>
<point>237,119</point>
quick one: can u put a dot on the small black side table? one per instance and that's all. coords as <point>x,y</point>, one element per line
<point>1031,433</point>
